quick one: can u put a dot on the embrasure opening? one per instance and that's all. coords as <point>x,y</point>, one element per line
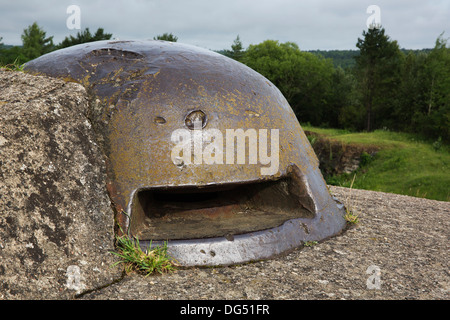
<point>215,211</point>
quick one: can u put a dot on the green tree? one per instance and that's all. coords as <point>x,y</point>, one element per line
<point>13,55</point>
<point>35,42</point>
<point>302,77</point>
<point>344,100</point>
<point>1,52</point>
<point>237,50</point>
<point>378,69</point>
<point>83,37</point>
<point>341,58</point>
<point>411,91</point>
<point>166,37</point>
<point>432,104</point>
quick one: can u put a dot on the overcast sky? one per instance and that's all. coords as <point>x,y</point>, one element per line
<point>212,24</point>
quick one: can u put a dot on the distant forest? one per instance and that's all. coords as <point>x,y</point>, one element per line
<point>341,58</point>
<point>346,58</point>
<point>376,86</point>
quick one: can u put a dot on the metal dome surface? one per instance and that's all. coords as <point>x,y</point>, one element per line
<point>202,151</point>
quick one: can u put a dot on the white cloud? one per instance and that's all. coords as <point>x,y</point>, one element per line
<point>322,24</point>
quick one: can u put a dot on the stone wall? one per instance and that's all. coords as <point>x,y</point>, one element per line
<point>56,223</point>
<point>337,157</point>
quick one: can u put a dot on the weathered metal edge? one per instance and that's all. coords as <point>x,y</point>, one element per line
<point>260,245</point>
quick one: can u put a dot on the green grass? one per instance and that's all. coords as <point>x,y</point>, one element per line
<point>310,243</point>
<point>133,258</point>
<point>405,164</point>
<point>15,66</point>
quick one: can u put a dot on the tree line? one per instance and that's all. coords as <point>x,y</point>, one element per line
<point>376,86</point>
<point>35,43</point>
<point>385,87</point>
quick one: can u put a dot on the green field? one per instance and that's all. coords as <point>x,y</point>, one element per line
<point>405,164</point>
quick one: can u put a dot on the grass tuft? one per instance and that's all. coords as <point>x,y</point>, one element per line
<point>349,216</point>
<point>310,243</point>
<point>134,259</point>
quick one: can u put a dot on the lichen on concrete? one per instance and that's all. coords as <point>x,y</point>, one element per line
<point>55,214</point>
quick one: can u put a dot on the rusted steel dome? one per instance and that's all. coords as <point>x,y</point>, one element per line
<point>202,151</point>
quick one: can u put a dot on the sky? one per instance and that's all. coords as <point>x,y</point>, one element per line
<point>213,24</point>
